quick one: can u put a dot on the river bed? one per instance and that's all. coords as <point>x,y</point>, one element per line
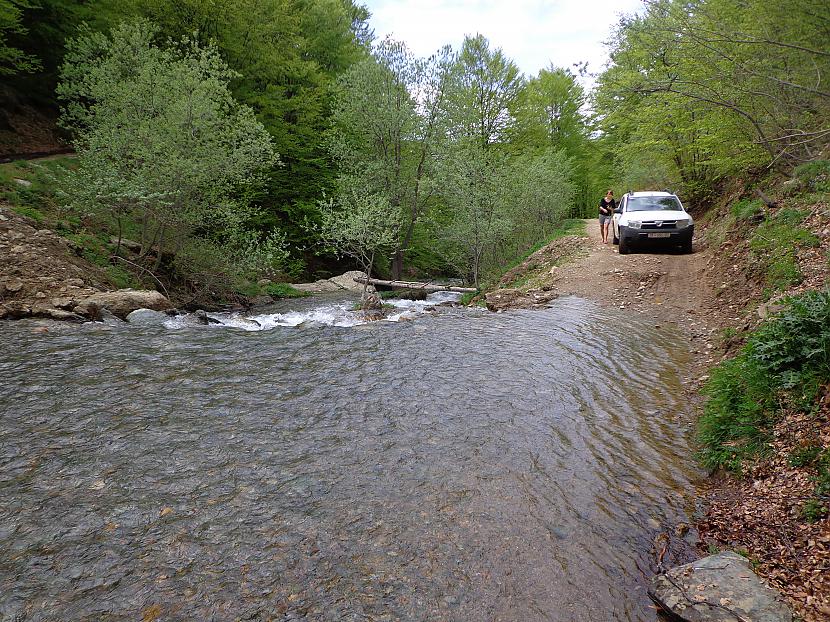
<point>463,466</point>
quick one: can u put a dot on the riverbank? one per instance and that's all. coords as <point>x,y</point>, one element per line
<point>716,297</point>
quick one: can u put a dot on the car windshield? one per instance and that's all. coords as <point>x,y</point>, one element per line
<point>649,204</point>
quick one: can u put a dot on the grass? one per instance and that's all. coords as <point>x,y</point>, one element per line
<point>747,209</point>
<point>284,290</point>
<point>775,245</point>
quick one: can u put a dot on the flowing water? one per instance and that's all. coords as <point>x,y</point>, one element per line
<point>463,466</point>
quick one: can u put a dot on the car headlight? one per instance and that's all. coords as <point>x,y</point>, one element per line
<point>634,224</point>
<point>683,223</point>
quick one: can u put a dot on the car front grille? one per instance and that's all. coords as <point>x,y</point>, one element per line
<point>659,225</point>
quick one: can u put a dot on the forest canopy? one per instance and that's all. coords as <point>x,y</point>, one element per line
<point>471,162</point>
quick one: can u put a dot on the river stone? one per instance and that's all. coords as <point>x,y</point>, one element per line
<point>123,302</point>
<point>715,588</point>
<point>146,317</point>
<point>347,280</point>
<point>323,285</point>
<point>14,285</point>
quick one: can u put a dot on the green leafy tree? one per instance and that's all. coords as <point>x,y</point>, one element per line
<point>386,127</point>
<point>12,59</point>
<point>162,142</point>
<point>359,224</point>
<point>485,85</point>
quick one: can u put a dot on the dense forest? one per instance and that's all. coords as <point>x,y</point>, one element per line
<point>236,140</point>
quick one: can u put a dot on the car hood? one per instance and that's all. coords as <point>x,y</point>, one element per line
<point>656,215</point>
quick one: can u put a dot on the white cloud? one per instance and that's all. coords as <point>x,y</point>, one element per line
<point>534,33</point>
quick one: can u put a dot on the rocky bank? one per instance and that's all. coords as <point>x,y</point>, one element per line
<point>41,276</point>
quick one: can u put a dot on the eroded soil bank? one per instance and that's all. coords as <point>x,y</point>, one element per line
<point>713,297</point>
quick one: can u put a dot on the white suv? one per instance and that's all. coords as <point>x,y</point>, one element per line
<point>652,217</point>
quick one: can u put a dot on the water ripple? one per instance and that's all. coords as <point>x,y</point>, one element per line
<point>464,466</point>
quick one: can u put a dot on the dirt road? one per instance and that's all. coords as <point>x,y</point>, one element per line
<point>654,281</point>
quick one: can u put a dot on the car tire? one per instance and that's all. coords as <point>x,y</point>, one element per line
<point>616,239</point>
<point>625,248</point>
<point>687,246</point>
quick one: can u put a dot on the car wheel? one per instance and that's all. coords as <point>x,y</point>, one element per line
<point>616,239</point>
<point>687,246</point>
<point>624,246</point>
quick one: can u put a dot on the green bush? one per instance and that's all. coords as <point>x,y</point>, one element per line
<point>815,174</point>
<point>783,364</point>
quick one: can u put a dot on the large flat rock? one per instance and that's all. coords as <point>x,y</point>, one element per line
<point>122,302</point>
<point>720,587</point>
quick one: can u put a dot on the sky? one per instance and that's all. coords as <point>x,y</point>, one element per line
<point>534,33</point>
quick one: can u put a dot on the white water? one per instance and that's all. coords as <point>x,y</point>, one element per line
<point>341,314</point>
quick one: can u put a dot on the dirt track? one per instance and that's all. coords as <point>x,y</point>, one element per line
<point>660,282</point>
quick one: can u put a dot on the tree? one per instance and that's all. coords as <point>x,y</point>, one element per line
<point>472,185</point>
<point>386,126</point>
<point>161,142</point>
<point>12,59</point>
<point>359,224</point>
<point>733,86</point>
<point>485,85</point>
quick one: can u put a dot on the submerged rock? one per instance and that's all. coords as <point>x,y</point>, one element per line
<point>146,317</point>
<point>718,587</point>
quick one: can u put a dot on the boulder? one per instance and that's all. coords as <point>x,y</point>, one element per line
<point>122,302</point>
<point>13,285</point>
<point>347,281</point>
<point>715,588</point>
<point>323,285</point>
<point>147,317</point>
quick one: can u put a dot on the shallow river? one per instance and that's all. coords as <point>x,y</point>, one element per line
<point>463,466</point>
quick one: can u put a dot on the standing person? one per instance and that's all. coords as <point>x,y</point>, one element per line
<point>607,205</point>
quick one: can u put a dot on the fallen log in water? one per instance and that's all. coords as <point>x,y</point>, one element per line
<point>429,287</point>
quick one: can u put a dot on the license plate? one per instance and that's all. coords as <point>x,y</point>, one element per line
<point>659,235</point>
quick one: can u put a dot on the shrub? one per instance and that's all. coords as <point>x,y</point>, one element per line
<point>815,174</point>
<point>746,209</point>
<point>783,364</point>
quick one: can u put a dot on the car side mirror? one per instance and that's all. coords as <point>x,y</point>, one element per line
<point>618,210</point>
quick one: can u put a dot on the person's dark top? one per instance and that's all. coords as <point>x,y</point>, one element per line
<point>609,205</point>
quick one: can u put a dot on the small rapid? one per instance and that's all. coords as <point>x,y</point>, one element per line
<point>462,466</point>
<point>340,313</point>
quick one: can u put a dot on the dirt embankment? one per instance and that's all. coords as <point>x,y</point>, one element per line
<point>714,295</point>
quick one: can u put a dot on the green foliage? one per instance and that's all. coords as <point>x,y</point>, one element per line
<point>783,364</point>
<point>161,142</point>
<point>745,209</point>
<point>775,244</point>
<point>284,290</point>
<point>12,59</point>
<point>359,224</point>
<point>804,456</point>
<point>700,91</point>
<point>96,250</point>
<point>815,174</point>
<point>30,212</point>
<point>813,510</point>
